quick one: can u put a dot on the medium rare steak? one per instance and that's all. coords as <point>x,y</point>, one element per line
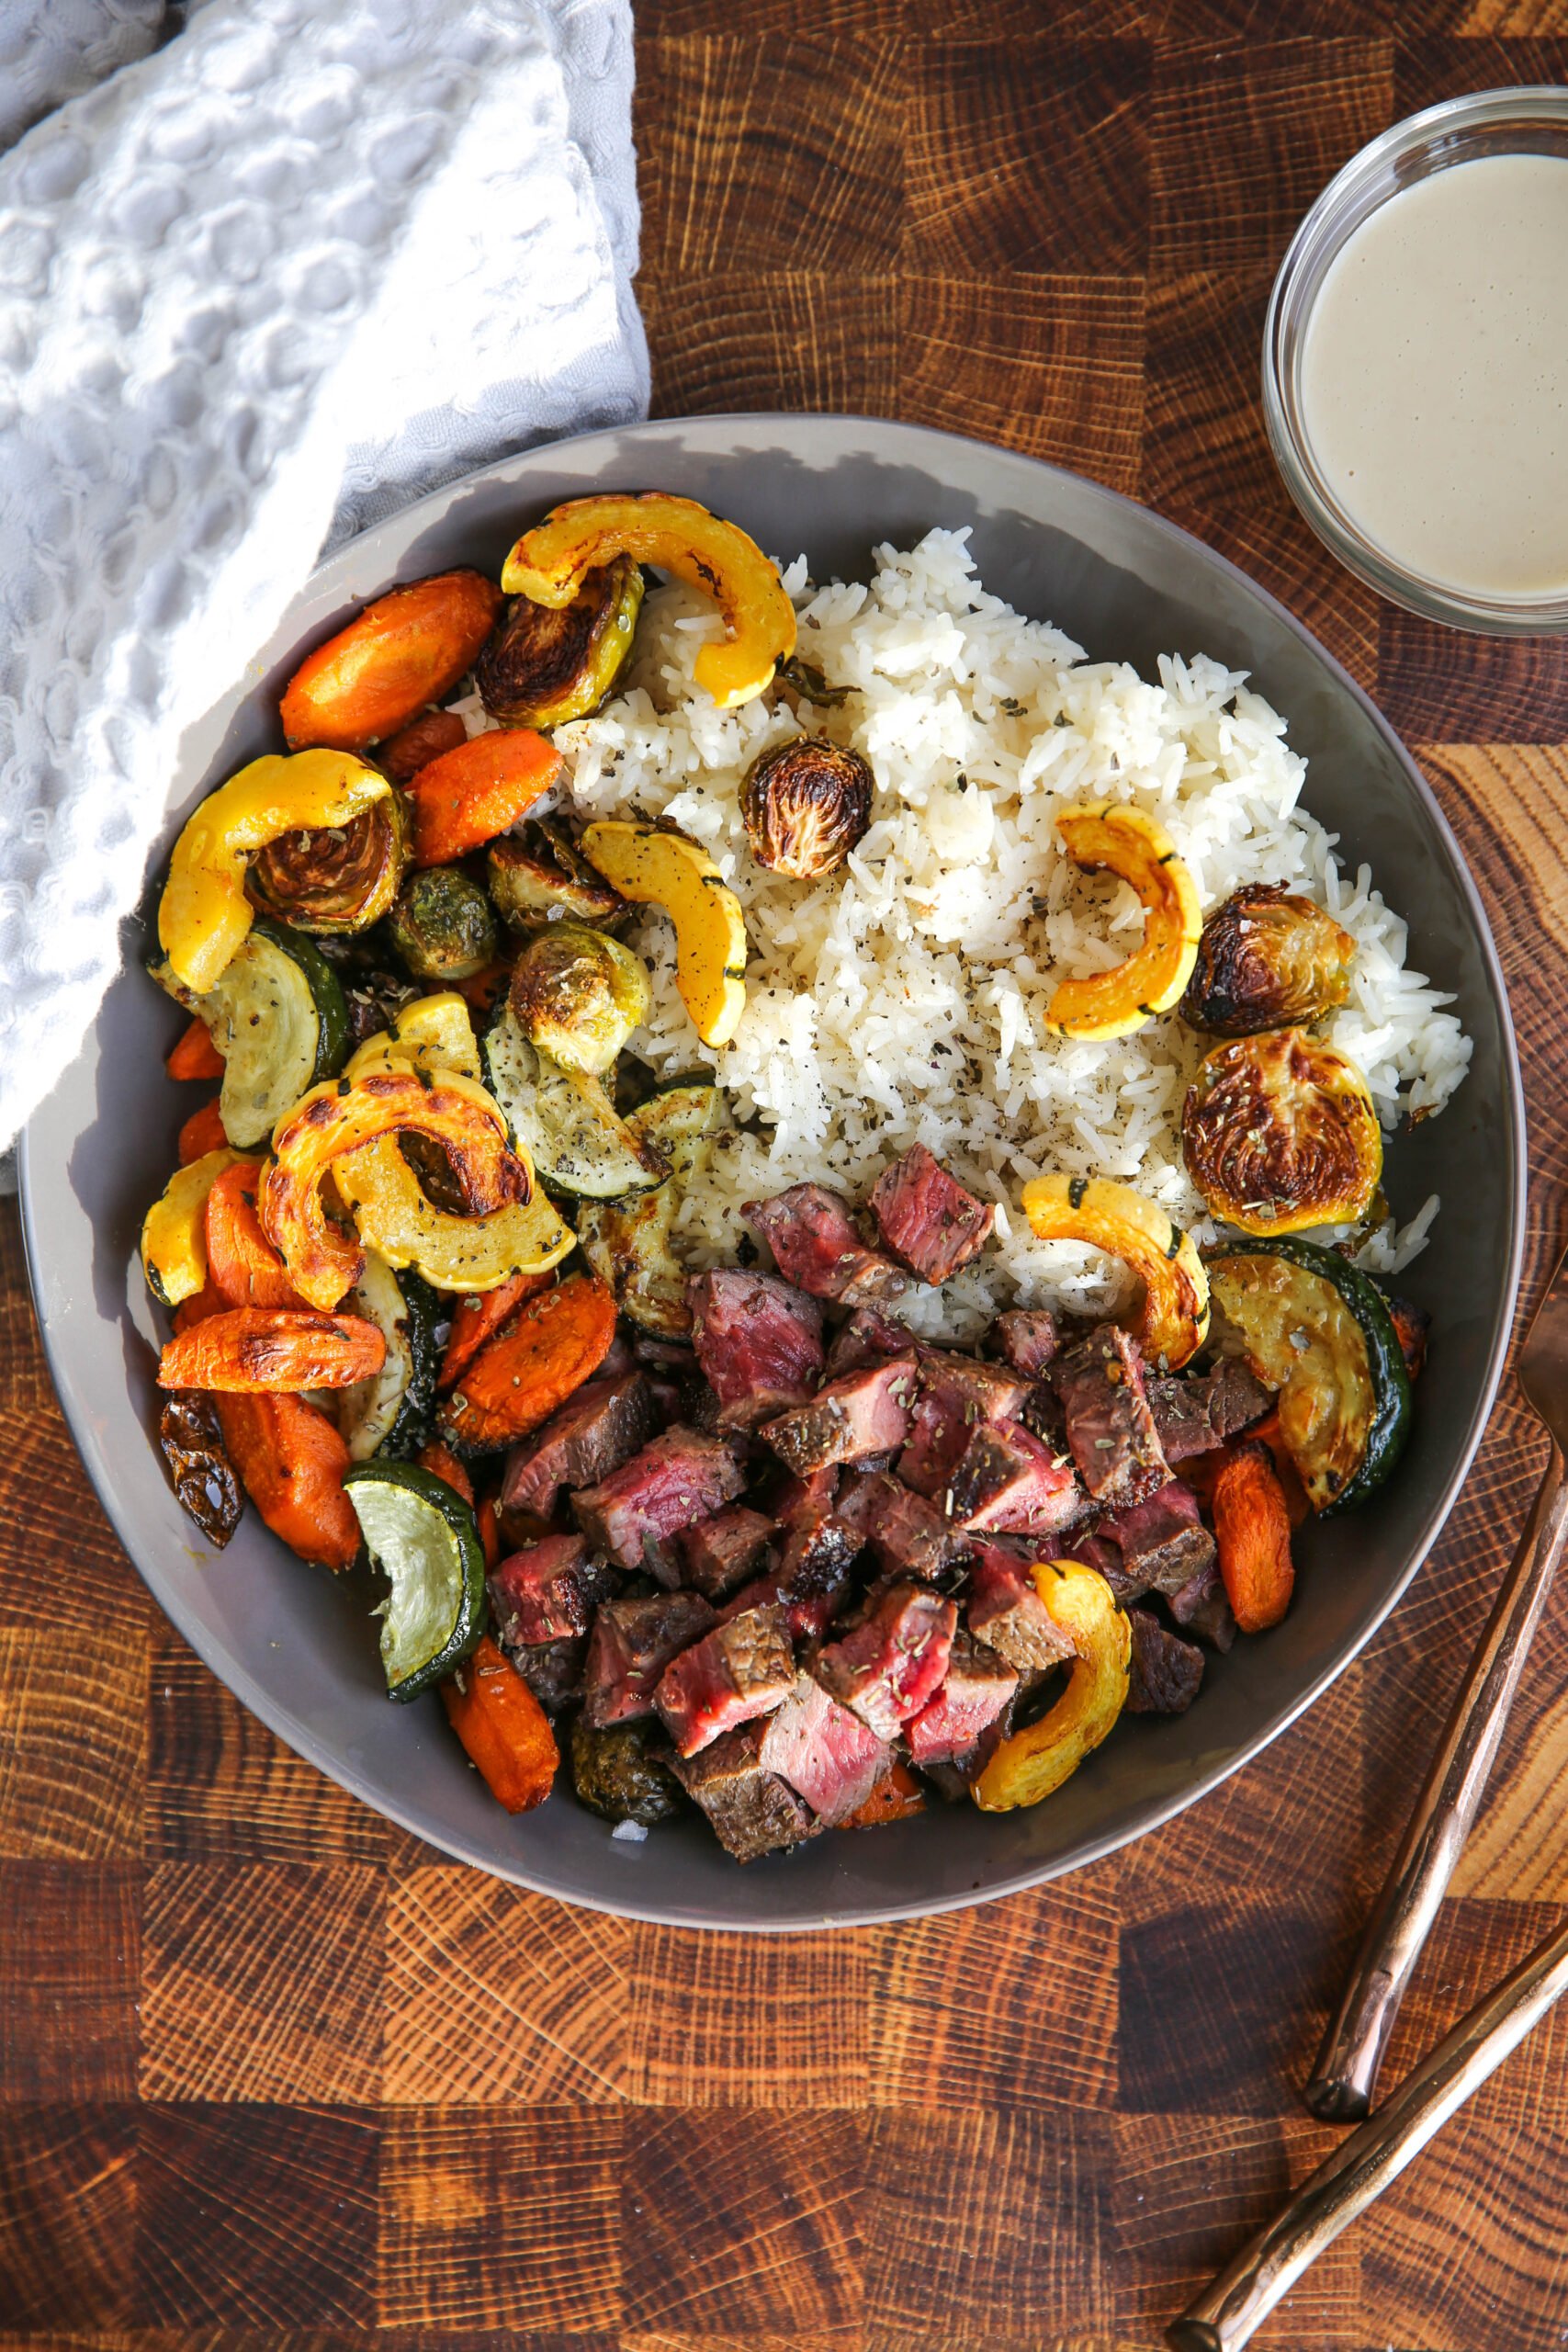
<point>976,1688</point>
<point>1027,1335</point>
<point>893,1662</point>
<point>867,1338</point>
<point>1163,1541</point>
<point>927,1219</point>
<point>865,1412</point>
<point>546,1592</point>
<point>1202,1607</point>
<point>553,1671</point>
<point>592,1434</point>
<point>631,1644</point>
<point>824,1751</point>
<point>757,1341</point>
<point>1195,1415</point>
<point>1164,1671</point>
<point>908,1535</point>
<point>801,1502</point>
<point>817,1244</point>
<point>1005,1610</point>
<point>752,1811</point>
<point>811,1578</point>
<point>1111,1430</point>
<point>954,1395</point>
<point>719,1553</point>
<point>743,1668</point>
<point>1008,1480</point>
<point>677,1479</point>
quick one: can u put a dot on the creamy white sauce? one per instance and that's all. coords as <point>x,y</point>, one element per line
<point>1434,377</point>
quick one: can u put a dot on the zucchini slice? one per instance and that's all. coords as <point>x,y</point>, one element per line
<point>1315,1329</point>
<point>387,1415</point>
<point>279,1020</point>
<point>628,1243</point>
<point>567,1123</point>
<point>424,1539</point>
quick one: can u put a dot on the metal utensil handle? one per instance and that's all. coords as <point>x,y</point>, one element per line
<point>1340,2090</point>
<point>1222,2317</point>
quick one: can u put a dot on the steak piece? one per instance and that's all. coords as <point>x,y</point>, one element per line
<point>1091,1552</point>
<point>1005,1610</point>
<point>1163,1541</point>
<point>867,1338</point>
<point>810,1580</point>
<point>1028,1339</point>
<point>1202,1607</point>
<point>816,1244</point>
<point>956,1395</point>
<point>553,1671</point>
<point>893,1662</point>
<point>674,1481</point>
<point>744,1667</point>
<point>1164,1671</point>
<point>546,1592</point>
<point>865,1412</point>
<point>592,1434</point>
<point>757,1341</point>
<point>977,1687</point>
<point>719,1553</point>
<point>1111,1430</point>
<point>824,1751</point>
<point>927,1219</point>
<point>908,1535</point>
<point>752,1811</point>
<point>800,1502</point>
<point>1007,1481</point>
<point>1195,1415</point>
<point>631,1644</point>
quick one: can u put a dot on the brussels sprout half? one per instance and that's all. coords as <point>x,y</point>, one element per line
<point>442,925</point>
<point>338,879</point>
<point>578,995</point>
<point>1267,959</point>
<point>546,666</point>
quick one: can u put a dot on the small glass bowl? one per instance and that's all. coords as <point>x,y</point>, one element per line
<point>1532,122</point>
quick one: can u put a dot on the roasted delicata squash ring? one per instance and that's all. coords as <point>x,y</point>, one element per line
<point>1279,1134</point>
<point>1034,1763</point>
<point>1113,1217</point>
<point>204,915</point>
<point>549,564</point>
<point>662,869</point>
<point>174,1231</point>
<point>1104,836</point>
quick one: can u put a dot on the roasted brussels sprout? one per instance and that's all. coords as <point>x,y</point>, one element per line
<point>339,878</point>
<point>544,667</point>
<point>442,925</point>
<point>539,875</point>
<point>1267,959</point>
<point>578,995</point>
<point>806,804</point>
<point>614,1773</point>
<point>1278,1133</point>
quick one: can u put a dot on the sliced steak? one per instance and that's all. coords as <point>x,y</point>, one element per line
<point>1111,1430</point>
<point>892,1663</point>
<point>721,1553</point>
<point>956,1395</point>
<point>1027,1335</point>
<point>976,1689</point>
<point>757,1341</point>
<point>1195,1415</point>
<point>865,1412</point>
<point>546,1592</point>
<point>867,1338</point>
<point>811,1578</point>
<point>814,1242</point>
<point>1009,1482</point>
<point>631,1644</point>
<point>927,1219</point>
<point>800,1502</point>
<point>592,1434</point>
<point>824,1751</point>
<point>1005,1611</point>
<point>677,1479</point>
<point>752,1811</point>
<point>745,1668</point>
<point>908,1534</point>
<point>1093,1552</point>
<point>1164,1671</point>
<point>553,1671</point>
<point>1202,1607</point>
<point>1163,1541</point>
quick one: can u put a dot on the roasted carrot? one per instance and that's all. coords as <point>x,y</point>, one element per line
<point>490,1532</point>
<point>291,1462</point>
<point>422,739</point>
<point>202,1132</point>
<point>442,1463</point>
<point>240,1261</point>
<point>467,796</point>
<point>403,653</point>
<point>504,1727</point>
<point>1252,1531</point>
<point>247,1348</point>
<point>1268,1433</point>
<point>478,1319</point>
<point>208,1300</point>
<point>515,1384</point>
<point>895,1797</point>
<point>195,1055</point>
<point>484,991</point>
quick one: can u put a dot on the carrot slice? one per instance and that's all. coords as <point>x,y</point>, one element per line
<point>251,1348</point>
<point>1252,1529</point>
<point>403,653</point>
<point>504,1727</point>
<point>516,1383</point>
<point>478,1319</point>
<point>895,1797</point>
<point>202,1132</point>
<point>490,1532</point>
<point>291,1462</point>
<point>467,796</point>
<point>483,989</point>
<point>442,1463</point>
<point>240,1261</point>
<point>195,1055</point>
<point>1270,1433</point>
<point>424,738</point>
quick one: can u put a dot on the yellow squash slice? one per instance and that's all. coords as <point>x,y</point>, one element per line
<point>1105,837</point>
<point>1034,1762</point>
<point>653,868</point>
<point>1113,1217</point>
<point>549,564</point>
<point>434,1033</point>
<point>174,1232</point>
<point>204,915</point>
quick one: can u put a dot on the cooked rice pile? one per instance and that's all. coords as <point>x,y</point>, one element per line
<point>901,1000</point>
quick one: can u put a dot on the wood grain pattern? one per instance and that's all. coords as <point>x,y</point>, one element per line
<point>276,2077</point>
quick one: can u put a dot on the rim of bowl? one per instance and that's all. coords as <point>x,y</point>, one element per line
<point>1456,130</point>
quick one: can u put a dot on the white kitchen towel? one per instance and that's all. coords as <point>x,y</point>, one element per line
<point>260,285</point>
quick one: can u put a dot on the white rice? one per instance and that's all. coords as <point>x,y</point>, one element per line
<point>901,1000</point>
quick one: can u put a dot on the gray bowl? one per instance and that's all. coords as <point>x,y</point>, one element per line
<point>299,1648</point>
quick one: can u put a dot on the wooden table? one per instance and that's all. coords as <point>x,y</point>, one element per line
<point>278,2075</point>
